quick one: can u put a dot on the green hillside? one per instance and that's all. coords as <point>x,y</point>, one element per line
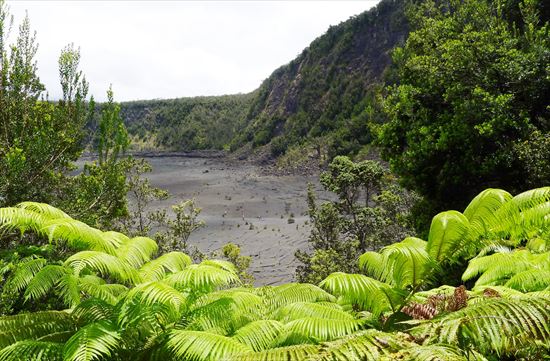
<point>185,123</point>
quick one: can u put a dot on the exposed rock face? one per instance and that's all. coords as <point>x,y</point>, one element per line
<point>332,75</point>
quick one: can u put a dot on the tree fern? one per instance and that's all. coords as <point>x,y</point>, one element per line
<point>260,335</point>
<point>137,251</point>
<point>447,232</point>
<point>370,294</point>
<point>308,309</point>
<point>12,218</point>
<point>201,277</point>
<point>24,273</point>
<point>103,263</point>
<point>32,351</point>
<point>95,341</point>
<point>31,326</point>
<point>158,268</point>
<point>288,353</point>
<point>369,345</point>
<point>43,209</point>
<point>203,346</point>
<point>278,296</point>
<point>499,326</point>
<point>314,330</point>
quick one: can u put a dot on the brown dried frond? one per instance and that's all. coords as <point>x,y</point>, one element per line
<point>489,292</point>
<point>458,300</point>
<point>420,311</point>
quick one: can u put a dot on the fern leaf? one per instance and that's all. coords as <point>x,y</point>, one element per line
<point>259,335</point>
<point>44,281</point>
<point>369,293</point>
<point>288,353</point>
<point>201,277</point>
<point>199,346</point>
<point>307,309</point>
<point>32,351</point>
<point>447,232</point>
<point>288,293</point>
<point>93,310</point>
<point>106,264</point>
<point>530,280</point>
<point>31,326</point>
<point>314,330</point>
<point>369,345</point>
<point>95,341</point>
<point>497,325</point>
<point>137,251</point>
<point>43,209</point>
<point>157,269</point>
<point>24,273</point>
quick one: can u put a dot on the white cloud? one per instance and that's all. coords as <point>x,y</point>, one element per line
<point>167,49</point>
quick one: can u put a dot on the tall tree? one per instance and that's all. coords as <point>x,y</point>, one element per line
<point>474,85</point>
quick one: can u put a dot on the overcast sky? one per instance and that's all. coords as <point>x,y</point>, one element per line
<point>169,49</point>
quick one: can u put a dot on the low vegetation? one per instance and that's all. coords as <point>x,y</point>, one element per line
<point>114,298</point>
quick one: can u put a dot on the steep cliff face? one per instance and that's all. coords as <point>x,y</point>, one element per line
<point>325,91</point>
<point>326,85</point>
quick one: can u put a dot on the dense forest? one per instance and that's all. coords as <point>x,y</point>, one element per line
<point>440,253</point>
<point>185,124</point>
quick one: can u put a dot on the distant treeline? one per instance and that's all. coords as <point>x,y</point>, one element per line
<point>186,123</point>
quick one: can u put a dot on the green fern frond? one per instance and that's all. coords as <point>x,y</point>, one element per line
<point>407,262</point>
<point>154,293</point>
<point>106,264</point>
<point>43,209</point>
<point>447,232</point>
<point>78,235</point>
<point>225,265</point>
<point>499,267</point>
<point>201,277</point>
<point>137,251</point>
<point>96,287</point>
<point>95,341</point>
<point>530,280</point>
<point>287,353</point>
<point>433,353</point>
<point>32,351</point>
<point>288,293</point>
<point>298,310</point>
<point>31,326</point>
<point>538,245</point>
<point>69,289</point>
<point>370,294</point>
<point>158,268</point>
<point>374,265</point>
<point>24,273</point>
<point>44,281</point>
<point>497,325</point>
<point>203,346</point>
<point>259,335</point>
<point>481,212</point>
<point>93,310</point>
<point>225,311</point>
<point>314,330</point>
<point>524,213</point>
<point>369,345</point>
<point>21,219</point>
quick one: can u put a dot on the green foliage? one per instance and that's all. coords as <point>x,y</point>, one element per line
<point>370,211</point>
<point>185,124</point>
<point>329,91</point>
<point>170,309</point>
<point>471,106</point>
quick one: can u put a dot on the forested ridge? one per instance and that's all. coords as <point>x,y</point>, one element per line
<point>187,123</point>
